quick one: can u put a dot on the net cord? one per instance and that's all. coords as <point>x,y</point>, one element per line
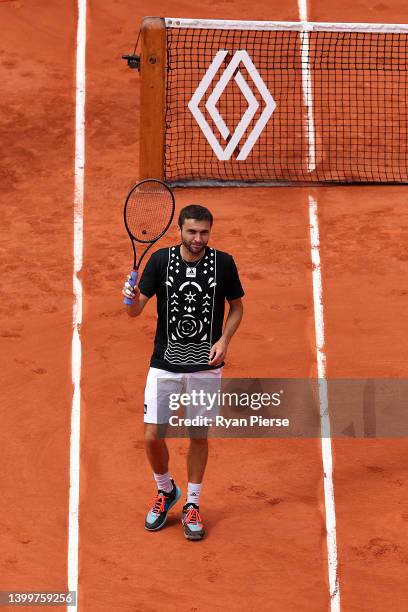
<point>296,26</point>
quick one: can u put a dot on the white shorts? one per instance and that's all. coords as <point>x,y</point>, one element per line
<point>174,393</point>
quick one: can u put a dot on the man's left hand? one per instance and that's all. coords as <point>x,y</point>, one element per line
<point>218,352</point>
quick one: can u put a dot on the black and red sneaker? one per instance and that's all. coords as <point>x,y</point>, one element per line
<point>192,523</point>
<point>162,502</point>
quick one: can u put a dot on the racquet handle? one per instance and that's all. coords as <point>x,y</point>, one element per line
<point>132,281</point>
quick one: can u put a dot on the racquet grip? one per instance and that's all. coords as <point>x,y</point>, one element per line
<point>132,281</point>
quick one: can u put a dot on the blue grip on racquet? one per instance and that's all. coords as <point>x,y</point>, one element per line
<point>132,281</point>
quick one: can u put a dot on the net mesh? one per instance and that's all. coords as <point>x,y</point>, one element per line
<point>149,210</point>
<point>341,106</point>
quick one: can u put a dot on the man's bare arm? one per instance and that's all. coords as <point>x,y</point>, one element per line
<point>233,319</point>
<point>139,300</point>
<point>219,349</point>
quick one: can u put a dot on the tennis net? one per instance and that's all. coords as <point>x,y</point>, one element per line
<point>280,102</point>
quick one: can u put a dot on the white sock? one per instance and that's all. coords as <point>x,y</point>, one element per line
<point>163,482</point>
<point>193,493</point>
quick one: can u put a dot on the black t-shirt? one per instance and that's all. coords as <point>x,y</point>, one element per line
<point>190,305</point>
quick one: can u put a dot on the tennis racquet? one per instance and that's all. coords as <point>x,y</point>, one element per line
<point>149,211</point>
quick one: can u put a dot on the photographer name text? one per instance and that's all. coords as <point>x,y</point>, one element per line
<point>227,423</point>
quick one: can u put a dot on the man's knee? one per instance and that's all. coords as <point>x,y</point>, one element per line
<point>152,433</point>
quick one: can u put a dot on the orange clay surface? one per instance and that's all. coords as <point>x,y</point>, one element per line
<point>262,501</point>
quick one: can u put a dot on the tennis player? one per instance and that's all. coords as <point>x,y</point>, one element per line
<point>191,282</point>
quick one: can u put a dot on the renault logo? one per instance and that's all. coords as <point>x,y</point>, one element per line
<point>232,71</point>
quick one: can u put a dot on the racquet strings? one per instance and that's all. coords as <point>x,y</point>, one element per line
<point>149,210</point>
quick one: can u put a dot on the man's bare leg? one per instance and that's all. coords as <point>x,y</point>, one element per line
<point>156,449</point>
<point>197,459</point>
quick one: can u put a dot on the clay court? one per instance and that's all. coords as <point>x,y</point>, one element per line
<point>263,500</point>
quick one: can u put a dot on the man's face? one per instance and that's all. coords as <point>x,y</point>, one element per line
<point>195,235</point>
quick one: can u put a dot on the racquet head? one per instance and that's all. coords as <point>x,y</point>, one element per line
<point>149,210</point>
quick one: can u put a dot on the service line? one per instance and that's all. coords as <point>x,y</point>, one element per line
<point>76,350</point>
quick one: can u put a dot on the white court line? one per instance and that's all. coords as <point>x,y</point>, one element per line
<point>79,167</point>
<point>325,431</point>
<point>329,503</point>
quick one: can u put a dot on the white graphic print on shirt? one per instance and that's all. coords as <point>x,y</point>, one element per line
<point>190,308</point>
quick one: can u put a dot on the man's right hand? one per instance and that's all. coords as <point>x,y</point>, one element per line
<point>130,292</point>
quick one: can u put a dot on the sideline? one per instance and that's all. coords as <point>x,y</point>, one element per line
<point>76,349</point>
<point>325,432</point>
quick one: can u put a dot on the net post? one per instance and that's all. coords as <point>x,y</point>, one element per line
<point>152,98</point>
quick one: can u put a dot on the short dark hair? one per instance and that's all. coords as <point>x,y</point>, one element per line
<point>195,211</point>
